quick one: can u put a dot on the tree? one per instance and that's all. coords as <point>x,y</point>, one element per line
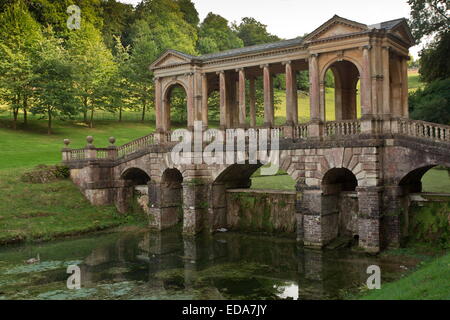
<point>429,17</point>
<point>93,67</point>
<point>19,36</point>
<point>216,35</point>
<point>434,62</point>
<point>190,14</point>
<point>253,32</point>
<point>117,20</point>
<point>52,81</point>
<point>431,103</point>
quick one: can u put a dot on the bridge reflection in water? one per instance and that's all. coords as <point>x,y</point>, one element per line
<point>167,265</point>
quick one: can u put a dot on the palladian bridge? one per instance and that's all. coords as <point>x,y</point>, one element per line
<point>370,150</point>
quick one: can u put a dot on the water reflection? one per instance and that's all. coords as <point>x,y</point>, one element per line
<point>171,266</point>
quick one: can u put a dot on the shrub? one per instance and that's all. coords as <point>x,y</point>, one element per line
<point>44,174</point>
<point>431,103</point>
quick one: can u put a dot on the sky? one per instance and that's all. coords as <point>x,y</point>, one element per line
<point>291,18</point>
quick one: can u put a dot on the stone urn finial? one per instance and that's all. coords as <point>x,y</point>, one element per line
<point>67,142</point>
<point>112,140</point>
<point>89,140</point>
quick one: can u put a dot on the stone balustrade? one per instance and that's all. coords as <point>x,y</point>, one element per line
<point>331,130</point>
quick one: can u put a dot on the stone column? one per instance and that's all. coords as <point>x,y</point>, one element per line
<point>190,101</point>
<point>252,88</point>
<point>404,74</point>
<point>366,86</point>
<point>205,100</point>
<point>369,202</point>
<point>316,118</point>
<point>223,99</point>
<point>195,206</point>
<point>158,105</point>
<point>268,99</point>
<point>393,212</point>
<point>242,111</point>
<point>217,211</point>
<point>386,83</point>
<point>291,105</point>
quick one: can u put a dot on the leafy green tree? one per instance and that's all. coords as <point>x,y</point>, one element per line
<point>190,13</point>
<point>431,103</point>
<point>434,62</point>
<point>19,37</point>
<point>93,67</point>
<point>52,81</point>
<point>117,20</point>
<point>216,35</point>
<point>429,17</point>
<point>253,32</point>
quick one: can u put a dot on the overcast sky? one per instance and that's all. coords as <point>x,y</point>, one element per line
<point>292,18</point>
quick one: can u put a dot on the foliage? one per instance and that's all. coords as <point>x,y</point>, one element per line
<point>429,17</point>
<point>434,62</point>
<point>253,32</point>
<point>216,35</point>
<point>45,174</point>
<point>431,103</point>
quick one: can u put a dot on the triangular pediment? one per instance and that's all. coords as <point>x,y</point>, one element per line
<point>170,57</point>
<point>402,32</point>
<point>336,26</point>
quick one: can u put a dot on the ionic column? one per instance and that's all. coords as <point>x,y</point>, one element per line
<point>268,100</point>
<point>223,99</point>
<point>165,115</point>
<point>205,100</point>
<point>314,88</point>
<point>386,82</point>
<point>405,111</point>
<point>291,99</point>
<point>252,102</point>
<point>158,104</point>
<point>366,87</point>
<point>241,90</point>
<point>190,101</point>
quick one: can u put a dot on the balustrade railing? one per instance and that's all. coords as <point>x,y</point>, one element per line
<point>414,128</point>
<point>423,129</point>
<point>342,128</point>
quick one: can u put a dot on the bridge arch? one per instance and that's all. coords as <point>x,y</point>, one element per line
<point>135,176</point>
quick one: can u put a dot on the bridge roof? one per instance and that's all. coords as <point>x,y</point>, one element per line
<point>299,41</point>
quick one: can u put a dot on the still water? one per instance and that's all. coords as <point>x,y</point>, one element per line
<point>149,265</point>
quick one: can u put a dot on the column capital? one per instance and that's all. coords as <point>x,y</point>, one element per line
<point>386,48</point>
<point>262,66</point>
<point>314,55</point>
<point>220,72</point>
<point>286,62</point>
<point>240,69</point>
<point>187,74</point>
<point>156,78</point>
<point>366,47</point>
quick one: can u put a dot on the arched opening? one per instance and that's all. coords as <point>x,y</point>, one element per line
<point>342,97</point>
<point>341,201</point>
<point>254,202</point>
<point>134,195</point>
<point>171,198</point>
<point>176,106</point>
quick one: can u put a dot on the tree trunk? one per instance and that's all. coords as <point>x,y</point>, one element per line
<point>91,121</point>
<point>85,109</point>
<point>49,128</point>
<point>120,114</point>
<point>15,113</point>
<point>25,106</point>
<point>143,110</point>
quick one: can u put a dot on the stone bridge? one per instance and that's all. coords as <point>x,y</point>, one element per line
<point>370,149</point>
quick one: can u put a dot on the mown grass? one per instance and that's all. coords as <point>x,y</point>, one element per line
<point>429,282</point>
<point>47,211</point>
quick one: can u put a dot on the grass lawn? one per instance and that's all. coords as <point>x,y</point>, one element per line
<point>430,281</point>
<point>47,211</point>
